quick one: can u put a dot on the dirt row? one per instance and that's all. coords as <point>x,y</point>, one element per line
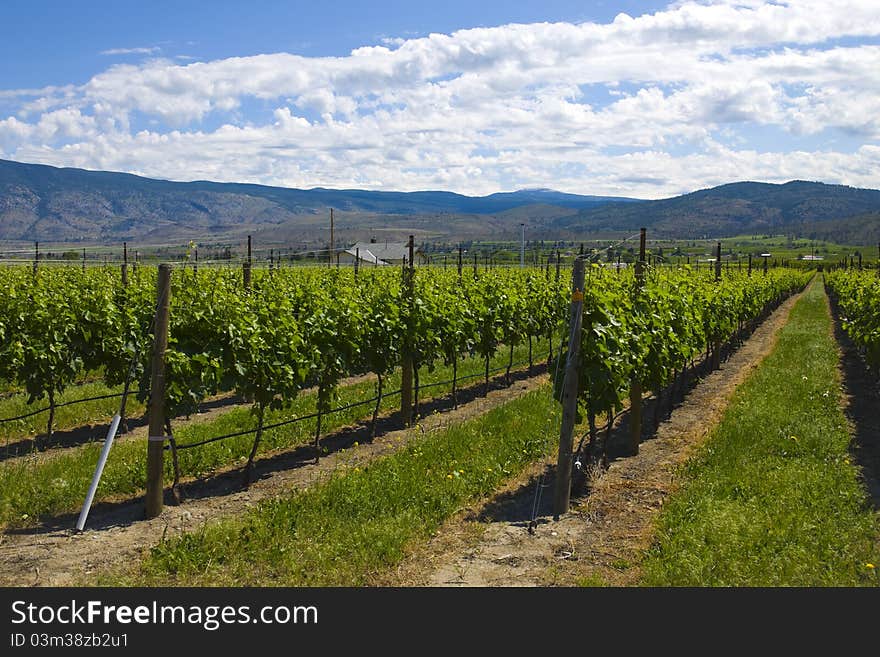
<point>116,533</point>
<point>601,540</point>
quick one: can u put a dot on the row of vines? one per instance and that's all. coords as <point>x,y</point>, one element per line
<point>296,328</point>
<point>857,296</point>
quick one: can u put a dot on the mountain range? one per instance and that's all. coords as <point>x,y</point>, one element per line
<point>50,204</point>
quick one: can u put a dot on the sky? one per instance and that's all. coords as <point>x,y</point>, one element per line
<point>640,99</point>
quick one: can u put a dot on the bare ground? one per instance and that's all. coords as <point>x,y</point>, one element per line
<point>117,534</point>
<point>601,540</point>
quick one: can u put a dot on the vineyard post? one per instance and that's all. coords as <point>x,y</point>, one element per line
<point>406,377</point>
<point>156,439</point>
<point>459,262</point>
<point>196,263</point>
<point>357,257</point>
<point>124,264</point>
<point>36,256</point>
<point>765,265</point>
<point>475,264</point>
<point>750,264</point>
<point>635,391</point>
<point>718,262</point>
<point>860,260</point>
<point>569,392</point>
<point>84,261</point>
<point>557,265</point>
<point>246,267</point>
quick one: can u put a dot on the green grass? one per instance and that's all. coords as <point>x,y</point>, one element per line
<point>772,498</point>
<point>360,521</point>
<point>33,488</point>
<point>66,417</point>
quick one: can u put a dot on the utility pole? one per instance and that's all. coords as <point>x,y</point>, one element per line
<point>330,255</point>
<point>247,266</point>
<point>125,264</point>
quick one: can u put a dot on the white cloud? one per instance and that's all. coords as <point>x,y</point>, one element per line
<point>640,106</point>
<point>132,51</point>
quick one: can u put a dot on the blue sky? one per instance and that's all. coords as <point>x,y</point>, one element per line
<point>57,42</point>
<point>644,99</point>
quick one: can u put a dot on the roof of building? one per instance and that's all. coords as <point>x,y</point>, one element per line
<point>365,255</point>
<point>384,250</point>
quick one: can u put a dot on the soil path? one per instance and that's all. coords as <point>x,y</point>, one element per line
<point>117,534</point>
<point>601,540</point>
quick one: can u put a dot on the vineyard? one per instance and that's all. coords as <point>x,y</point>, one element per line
<point>268,339</point>
<point>857,296</point>
<point>269,376</point>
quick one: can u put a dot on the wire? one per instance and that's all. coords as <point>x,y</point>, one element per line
<point>62,404</point>
<point>333,410</point>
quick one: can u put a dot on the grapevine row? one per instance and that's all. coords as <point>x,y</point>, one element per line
<point>857,296</point>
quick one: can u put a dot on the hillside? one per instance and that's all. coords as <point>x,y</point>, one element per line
<point>44,203</point>
<point>797,207</point>
<point>39,202</point>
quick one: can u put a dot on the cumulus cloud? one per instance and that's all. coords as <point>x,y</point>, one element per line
<point>698,94</point>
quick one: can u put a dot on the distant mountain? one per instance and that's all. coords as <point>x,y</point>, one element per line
<point>39,202</point>
<point>50,204</point>
<point>796,207</point>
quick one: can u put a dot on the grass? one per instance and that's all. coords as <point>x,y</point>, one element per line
<point>31,488</point>
<point>772,499</point>
<point>352,526</point>
<point>66,417</point>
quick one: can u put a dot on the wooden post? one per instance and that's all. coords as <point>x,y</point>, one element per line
<point>459,262</point>
<point>635,390</point>
<point>246,267</point>
<point>406,377</point>
<point>765,265</point>
<point>475,264</point>
<point>569,392</point>
<point>357,259</point>
<point>84,261</point>
<point>718,262</point>
<point>557,265</point>
<point>36,256</point>
<point>750,264</point>
<point>156,442</point>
